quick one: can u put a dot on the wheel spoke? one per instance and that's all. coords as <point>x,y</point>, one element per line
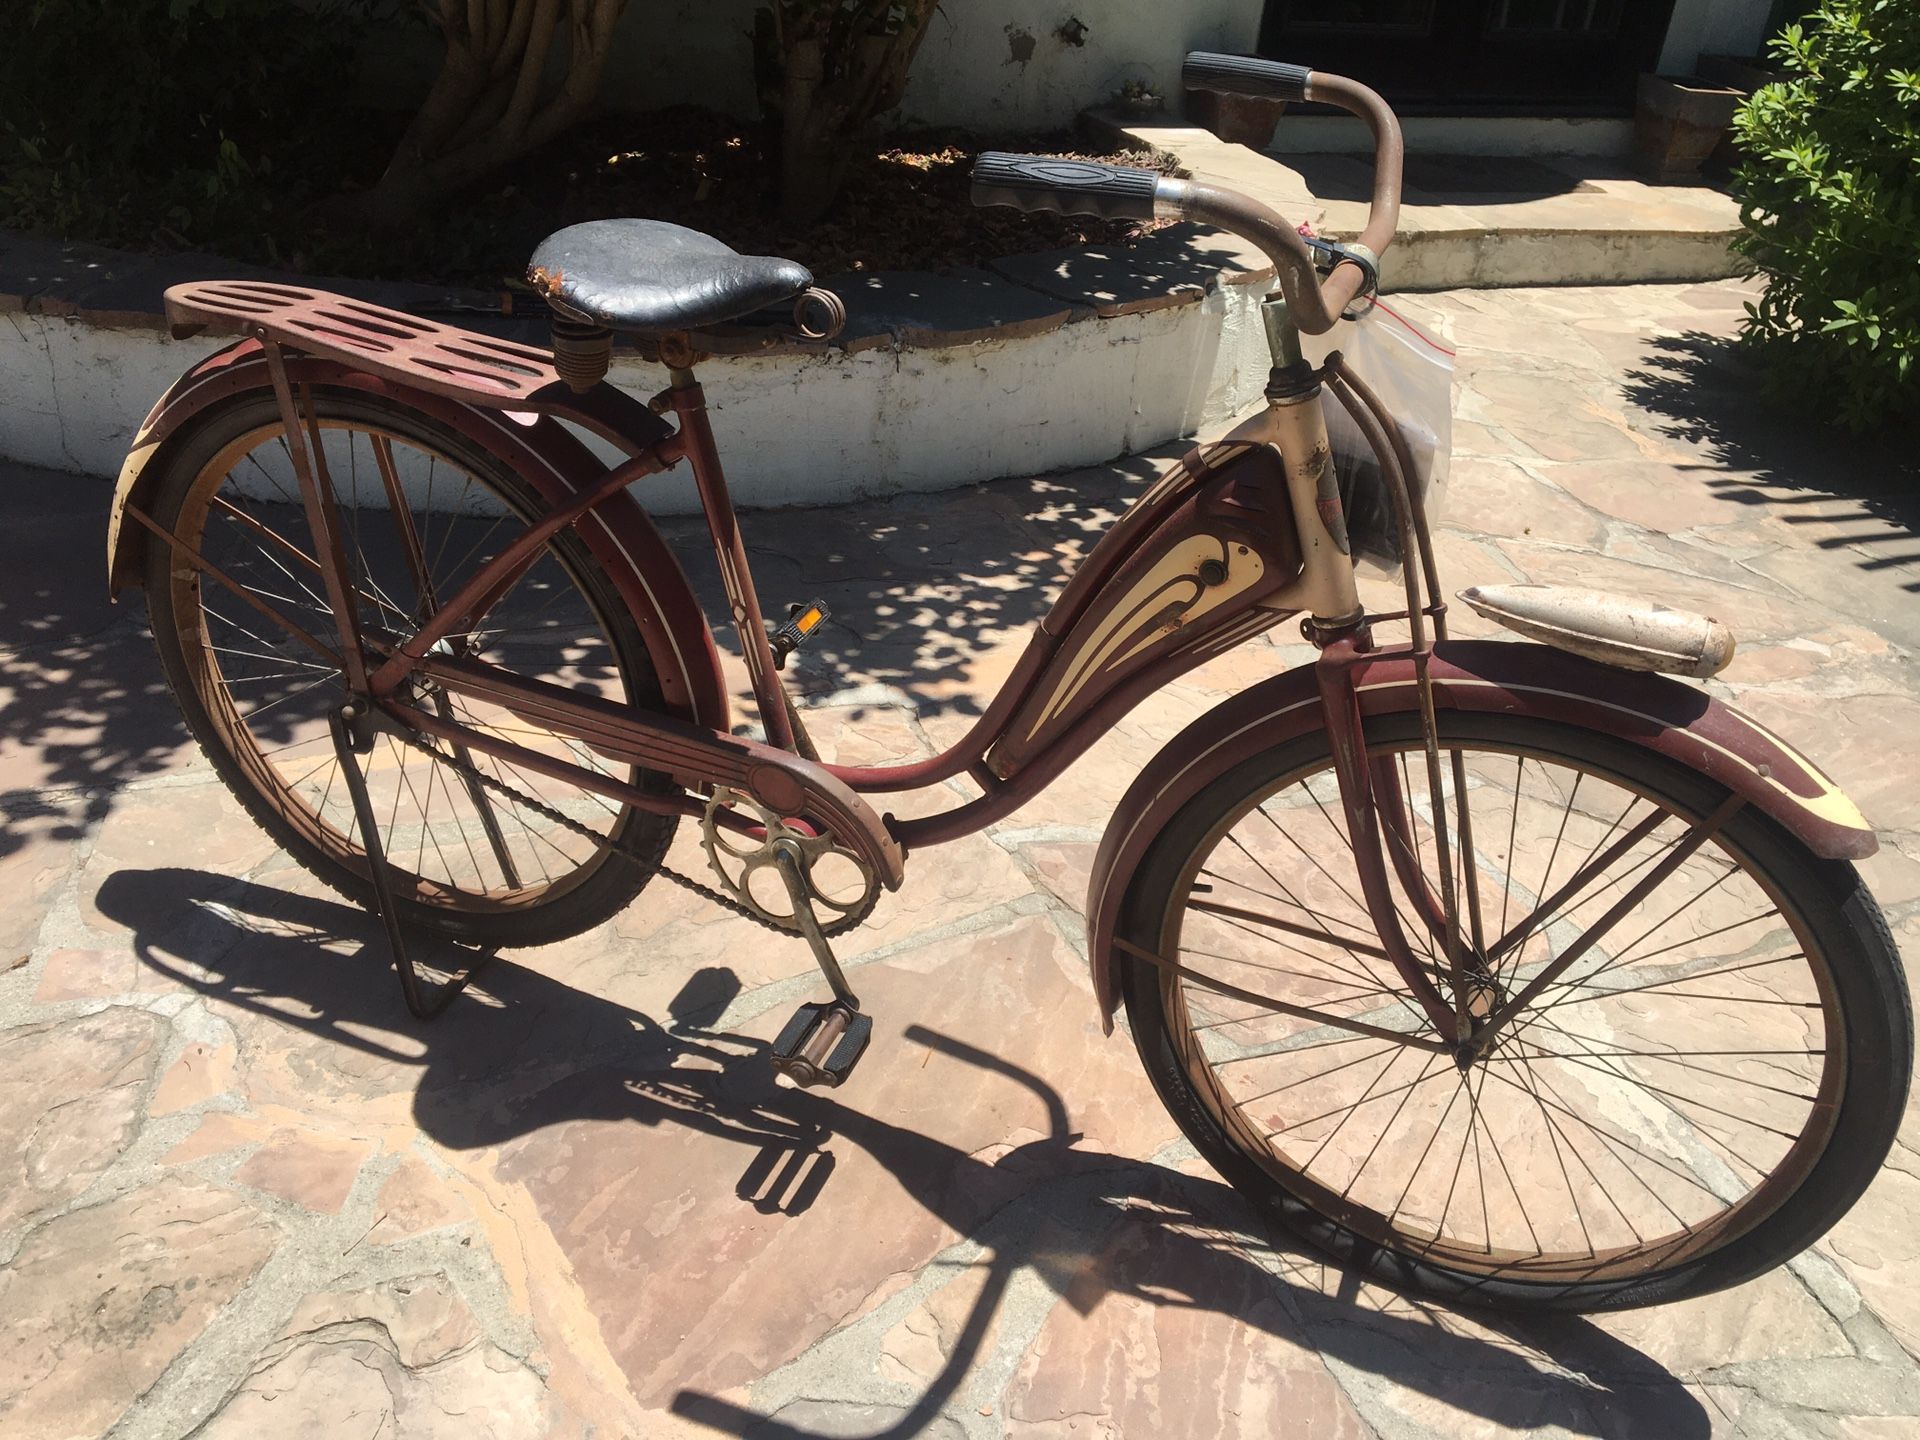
<point>1580,1151</point>
<point>1544,913</point>
<point>417,523</point>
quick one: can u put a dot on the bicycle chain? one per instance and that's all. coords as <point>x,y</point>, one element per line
<point>567,822</point>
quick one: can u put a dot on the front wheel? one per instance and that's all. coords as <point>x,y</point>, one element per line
<point>1694,1100</point>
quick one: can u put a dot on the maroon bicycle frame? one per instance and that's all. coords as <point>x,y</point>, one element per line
<point>1234,538</point>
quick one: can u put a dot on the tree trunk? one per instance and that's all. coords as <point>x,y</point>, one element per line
<point>807,179</point>
<point>491,102</point>
<point>833,70</point>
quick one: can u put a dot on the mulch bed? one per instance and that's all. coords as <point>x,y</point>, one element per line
<point>904,205</point>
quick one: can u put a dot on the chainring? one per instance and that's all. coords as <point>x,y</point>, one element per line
<point>745,865</point>
<point>648,864</point>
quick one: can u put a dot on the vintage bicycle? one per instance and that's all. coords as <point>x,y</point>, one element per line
<point>1507,970</point>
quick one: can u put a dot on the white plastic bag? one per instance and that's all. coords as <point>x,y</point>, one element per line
<point>1411,370</point>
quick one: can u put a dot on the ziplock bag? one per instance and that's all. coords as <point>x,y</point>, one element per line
<point>1411,370</point>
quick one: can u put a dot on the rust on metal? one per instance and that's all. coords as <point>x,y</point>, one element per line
<point>490,584</point>
<point>1278,1007</point>
<point>582,352</point>
<point>676,350</point>
<point>689,403</point>
<point>833,314</point>
<point>409,348</point>
<point>302,436</point>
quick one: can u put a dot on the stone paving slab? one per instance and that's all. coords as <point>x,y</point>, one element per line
<point>245,1195</point>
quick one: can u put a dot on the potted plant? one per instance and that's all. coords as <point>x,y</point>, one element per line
<point>1677,122</point>
<point>1737,72</point>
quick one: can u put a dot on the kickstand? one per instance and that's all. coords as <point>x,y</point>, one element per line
<point>424,1000</point>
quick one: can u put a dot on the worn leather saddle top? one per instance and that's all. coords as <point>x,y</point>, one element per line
<point>648,275</point>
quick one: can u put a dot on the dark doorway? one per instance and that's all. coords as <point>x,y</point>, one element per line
<point>1485,57</point>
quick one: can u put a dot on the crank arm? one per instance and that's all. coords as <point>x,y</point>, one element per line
<point>786,859</point>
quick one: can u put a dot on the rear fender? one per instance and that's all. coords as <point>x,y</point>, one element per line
<point>536,447</point>
<point>1496,676</point>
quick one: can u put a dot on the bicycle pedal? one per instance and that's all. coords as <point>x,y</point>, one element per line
<point>822,1043</point>
<point>792,633</point>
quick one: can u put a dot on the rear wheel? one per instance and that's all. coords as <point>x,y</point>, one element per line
<point>1695,1099</point>
<point>469,862</point>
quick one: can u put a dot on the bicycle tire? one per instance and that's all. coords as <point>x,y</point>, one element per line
<point>599,887</point>
<point>1829,901</point>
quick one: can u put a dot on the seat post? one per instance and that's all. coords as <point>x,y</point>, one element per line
<point>689,404</point>
<point>582,352</point>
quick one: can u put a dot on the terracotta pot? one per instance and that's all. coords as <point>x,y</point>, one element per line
<point>1678,121</point>
<point>1736,72</point>
<point>1241,119</point>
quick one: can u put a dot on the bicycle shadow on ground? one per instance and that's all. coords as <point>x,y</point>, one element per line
<point>529,1052</point>
<point>1701,389</point>
<point>87,710</point>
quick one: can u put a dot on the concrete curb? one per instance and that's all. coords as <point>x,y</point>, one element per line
<point>1037,362</point>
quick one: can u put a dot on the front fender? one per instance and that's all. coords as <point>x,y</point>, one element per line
<point>538,448</point>
<point>1504,676</point>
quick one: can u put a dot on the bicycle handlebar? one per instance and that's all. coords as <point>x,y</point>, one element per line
<point>1069,187</point>
<point>1080,187</point>
<point>1244,75</point>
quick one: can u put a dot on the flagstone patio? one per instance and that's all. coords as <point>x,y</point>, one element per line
<point>242,1195</point>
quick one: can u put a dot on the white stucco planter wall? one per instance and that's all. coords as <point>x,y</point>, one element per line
<point>793,429</point>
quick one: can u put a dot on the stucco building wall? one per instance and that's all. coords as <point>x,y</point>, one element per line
<point>1011,65</point>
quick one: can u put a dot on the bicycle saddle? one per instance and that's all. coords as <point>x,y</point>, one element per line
<point>647,275</point>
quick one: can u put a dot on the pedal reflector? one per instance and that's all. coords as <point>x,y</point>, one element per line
<point>801,621</point>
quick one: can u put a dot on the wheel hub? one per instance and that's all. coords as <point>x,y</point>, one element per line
<point>1484,998</point>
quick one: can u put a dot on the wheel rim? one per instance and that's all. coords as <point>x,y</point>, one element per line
<point>1659,1099</point>
<point>453,843</point>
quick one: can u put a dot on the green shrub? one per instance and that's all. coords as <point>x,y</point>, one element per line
<point>1830,196</point>
<point>157,122</point>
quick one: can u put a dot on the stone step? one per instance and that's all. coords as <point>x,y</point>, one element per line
<point>1480,222</point>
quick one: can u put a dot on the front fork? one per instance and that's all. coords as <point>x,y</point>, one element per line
<point>1370,795</point>
<point>1378,817</point>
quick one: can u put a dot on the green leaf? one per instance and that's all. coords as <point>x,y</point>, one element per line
<point>1829,196</point>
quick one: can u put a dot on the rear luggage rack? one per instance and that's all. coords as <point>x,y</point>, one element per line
<point>391,343</point>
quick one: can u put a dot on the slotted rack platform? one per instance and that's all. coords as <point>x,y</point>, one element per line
<point>444,358</point>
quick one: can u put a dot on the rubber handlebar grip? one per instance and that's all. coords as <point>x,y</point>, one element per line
<point>1068,187</point>
<point>1244,75</point>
